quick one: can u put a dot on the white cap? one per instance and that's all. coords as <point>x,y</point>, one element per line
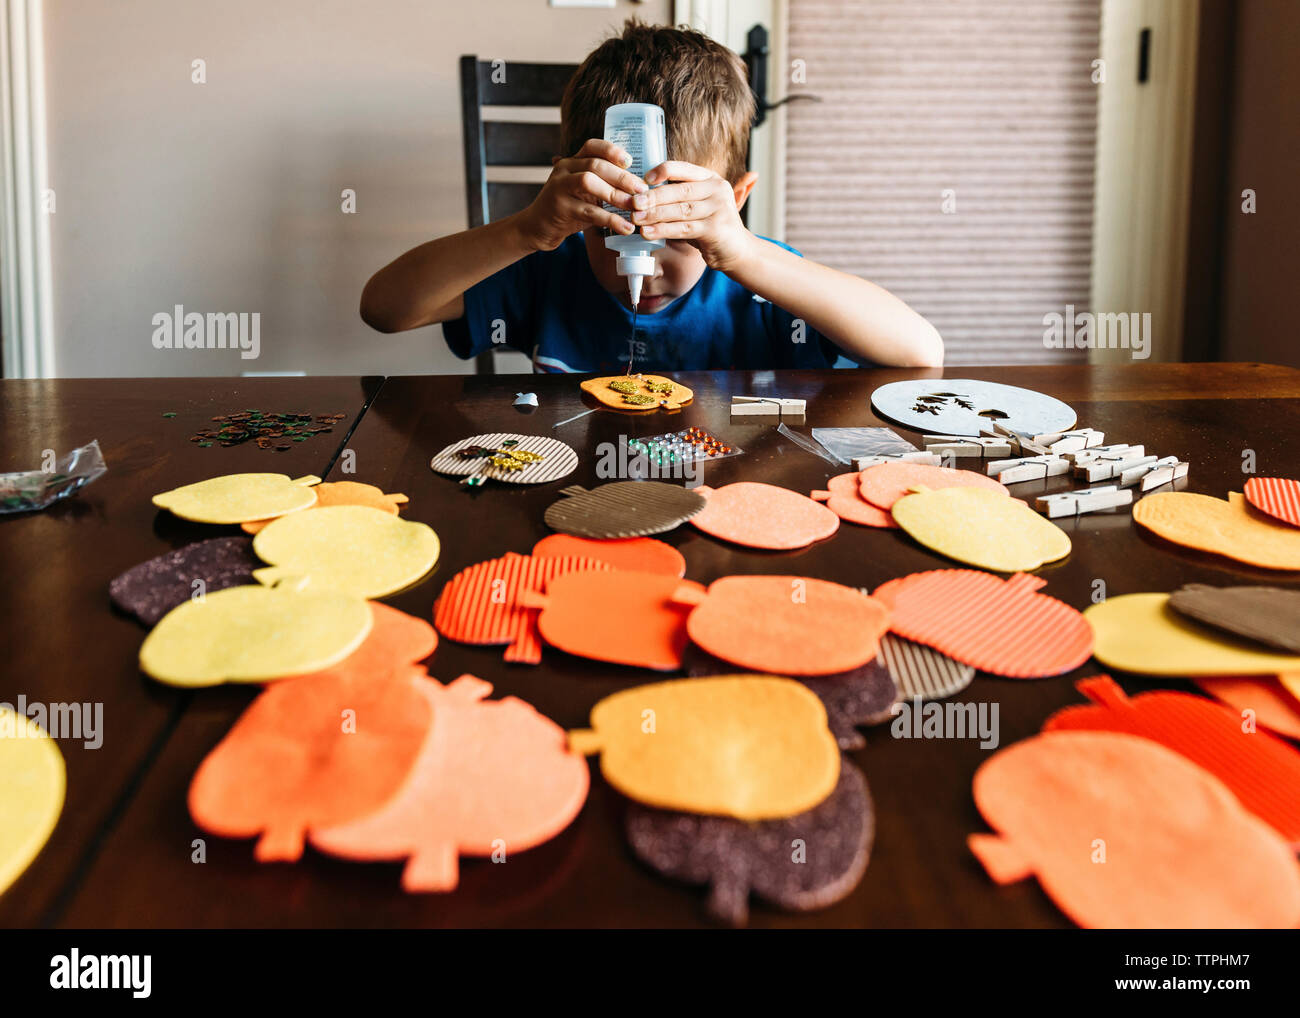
<point>636,260</point>
<point>636,267</point>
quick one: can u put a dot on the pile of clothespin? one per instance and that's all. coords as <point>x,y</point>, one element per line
<point>1013,458</point>
<point>767,406</point>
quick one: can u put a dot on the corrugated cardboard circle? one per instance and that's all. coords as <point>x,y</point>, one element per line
<point>558,460</point>
<point>623,509</point>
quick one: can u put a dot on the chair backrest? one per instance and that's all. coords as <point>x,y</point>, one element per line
<point>506,143</point>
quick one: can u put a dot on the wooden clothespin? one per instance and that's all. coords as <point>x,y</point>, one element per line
<point>1103,468</point>
<point>1085,500</point>
<point>928,458</point>
<point>766,406</point>
<point>1097,452</point>
<point>1020,444</point>
<point>958,447</point>
<point>1028,468</point>
<point>1164,474</point>
<point>1132,474</point>
<point>1062,442</point>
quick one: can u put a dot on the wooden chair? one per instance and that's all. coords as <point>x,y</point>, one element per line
<point>505,143</point>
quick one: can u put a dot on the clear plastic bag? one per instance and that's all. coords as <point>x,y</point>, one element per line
<point>849,444</point>
<point>27,491</point>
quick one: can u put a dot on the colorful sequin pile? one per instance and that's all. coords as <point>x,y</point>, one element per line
<point>268,430</point>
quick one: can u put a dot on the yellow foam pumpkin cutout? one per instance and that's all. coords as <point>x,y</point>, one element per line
<point>638,392</point>
<point>238,498</point>
<point>254,634</point>
<point>1141,633</point>
<point>34,781</point>
<point>363,551</point>
<point>754,747</point>
<point>1232,528</point>
<point>345,493</point>
<point>982,528</point>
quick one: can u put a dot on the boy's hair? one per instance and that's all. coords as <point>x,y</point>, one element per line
<point>701,85</point>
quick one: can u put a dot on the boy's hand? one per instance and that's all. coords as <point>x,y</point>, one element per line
<point>700,208</point>
<point>571,199</point>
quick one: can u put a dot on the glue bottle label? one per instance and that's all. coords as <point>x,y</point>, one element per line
<point>637,128</point>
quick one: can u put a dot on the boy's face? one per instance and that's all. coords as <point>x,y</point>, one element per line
<point>678,267</point>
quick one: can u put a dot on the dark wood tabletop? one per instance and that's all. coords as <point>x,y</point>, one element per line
<point>122,853</point>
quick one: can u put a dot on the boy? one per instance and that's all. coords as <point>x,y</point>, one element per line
<point>721,297</point>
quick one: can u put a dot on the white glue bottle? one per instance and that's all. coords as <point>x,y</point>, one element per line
<point>638,129</point>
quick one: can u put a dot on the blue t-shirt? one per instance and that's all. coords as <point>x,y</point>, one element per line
<point>550,306</point>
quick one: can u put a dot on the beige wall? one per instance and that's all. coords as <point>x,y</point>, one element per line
<point>1262,251</point>
<point>226,196</point>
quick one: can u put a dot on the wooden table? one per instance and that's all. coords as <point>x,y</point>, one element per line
<point>122,852</point>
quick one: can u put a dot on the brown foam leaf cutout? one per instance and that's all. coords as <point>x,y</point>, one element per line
<point>1124,833</point>
<point>492,776</point>
<point>322,748</point>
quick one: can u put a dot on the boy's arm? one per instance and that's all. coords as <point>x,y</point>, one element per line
<point>428,283</point>
<point>859,317</point>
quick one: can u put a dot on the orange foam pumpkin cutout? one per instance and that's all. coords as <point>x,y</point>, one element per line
<point>999,626</point>
<point>885,483</point>
<point>761,515</point>
<point>844,498</point>
<point>645,392</point>
<point>492,776</point>
<point>295,760</point>
<point>637,554</point>
<point>1261,771</point>
<point>481,604</point>
<point>623,617</point>
<point>344,493</point>
<point>1124,833</point>
<point>786,625</point>
<point>1269,702</point>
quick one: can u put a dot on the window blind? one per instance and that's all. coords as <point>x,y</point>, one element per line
<point>984,107</point>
